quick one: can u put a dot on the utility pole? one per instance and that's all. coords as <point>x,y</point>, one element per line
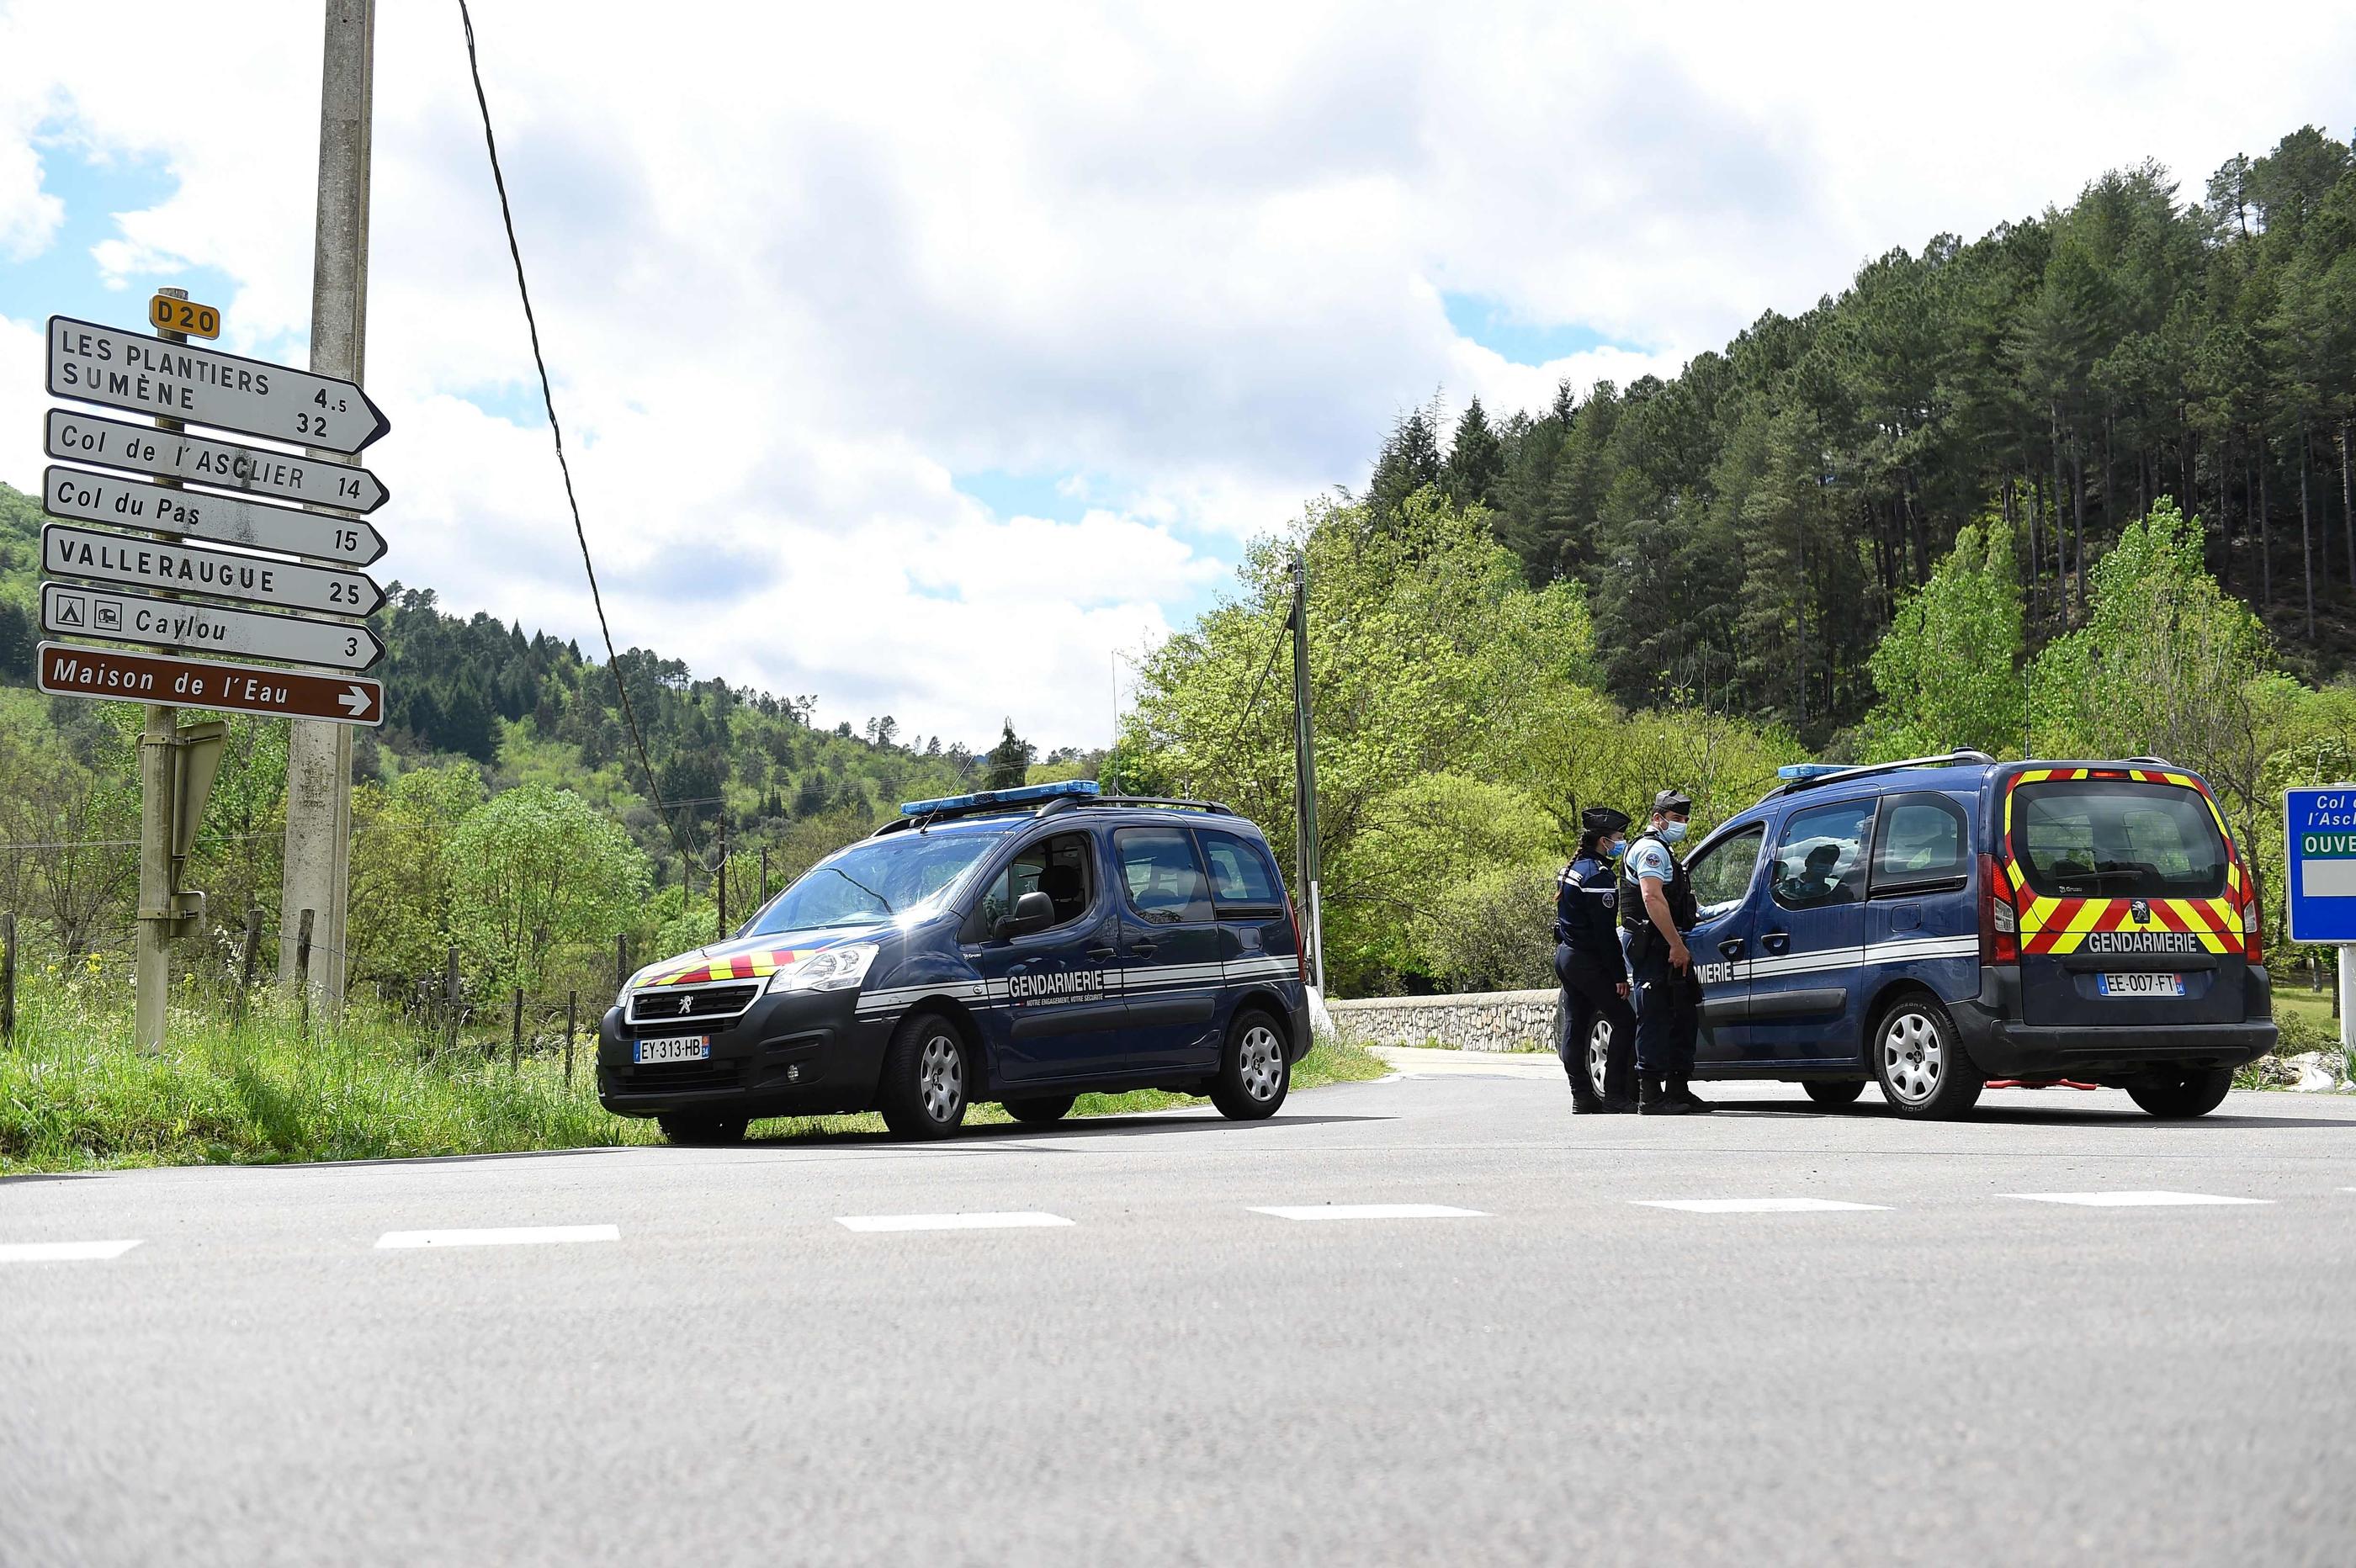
<point>320,755</point>
<point>151,956</point>
<point>1304,756</point>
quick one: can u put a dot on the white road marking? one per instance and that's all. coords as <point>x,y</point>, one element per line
<point>510,1236</point>
<point>62,1252</point>
<point>1017,1220</point>
<point>2133,1199</point>
<point>1759,1205</point>
<point>1370,1212</point>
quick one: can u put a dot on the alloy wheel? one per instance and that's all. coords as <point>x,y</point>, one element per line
<point>1260,1062</point>
<point>1911,1060</point>
<point>940,1077</point>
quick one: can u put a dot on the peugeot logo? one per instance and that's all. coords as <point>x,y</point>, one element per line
<point>686,1004</point>
<point>2140,911</point>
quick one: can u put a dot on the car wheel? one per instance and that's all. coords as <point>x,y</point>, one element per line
<point>1599,1054</point>
<point>702,1130</point>
<point>1922,1067</point>
<point>926,1070</point>
<point>2179,1096</point>
<point>1834,1091</point>
<point>1047,1108</point>
<point>1254,1076</point>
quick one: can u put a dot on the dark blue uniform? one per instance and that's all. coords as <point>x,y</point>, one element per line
<point>1588,961</point>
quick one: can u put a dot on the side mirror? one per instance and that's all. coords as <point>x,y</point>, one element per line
<point>1032,911</point>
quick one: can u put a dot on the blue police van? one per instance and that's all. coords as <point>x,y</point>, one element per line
<point>1933,925</point>
<point>1021,945</point>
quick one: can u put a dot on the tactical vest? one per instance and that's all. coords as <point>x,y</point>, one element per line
<point>1678,890</point>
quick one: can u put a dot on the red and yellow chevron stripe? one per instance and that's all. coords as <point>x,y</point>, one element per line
<point>736,966</point>
<point>2062,925</point>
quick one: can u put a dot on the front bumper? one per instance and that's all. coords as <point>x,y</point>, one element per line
<point>795,1054</point>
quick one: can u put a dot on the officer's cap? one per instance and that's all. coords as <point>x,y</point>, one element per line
<point>1670,800</point>
<point>1602,819</point>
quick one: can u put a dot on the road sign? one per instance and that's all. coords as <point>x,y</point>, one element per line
<point>159,508</point>
<point>256,470</point>
<point>68,551</point>
<point>185,316</point>
<point>2319,830</point>
<point>70,607</point>
<point>65,670</point>
<point>94,363</point>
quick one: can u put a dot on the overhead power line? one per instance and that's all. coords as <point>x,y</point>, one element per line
<point>613,660</point>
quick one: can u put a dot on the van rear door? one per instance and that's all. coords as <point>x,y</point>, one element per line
<point>2128,899</point>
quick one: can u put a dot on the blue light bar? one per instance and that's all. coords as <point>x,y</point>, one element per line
<point>1810,770</point>
<point>1025,795</point>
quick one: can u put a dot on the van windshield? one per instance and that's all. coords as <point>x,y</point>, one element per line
<point>874,882</point>
<point>2116,839</point>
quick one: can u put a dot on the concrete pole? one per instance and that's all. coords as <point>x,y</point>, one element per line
<point>1305,750</point>
<point>151,953</point>
<point>320,755</point>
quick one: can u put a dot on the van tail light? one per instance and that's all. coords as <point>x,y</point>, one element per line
<point>2254,931</point>
<point>1300,947</point>
<point>1999,920</point>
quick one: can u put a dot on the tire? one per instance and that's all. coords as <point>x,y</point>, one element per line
<point>1919,1064</point>
<point>1599,1054</point>
<point>705,1131</point>
<point>1042,1110</point>
<point>928,1069</point>
<point>2180,1097</point>
<point>1834,1091</point>
<point>1254,1076</point>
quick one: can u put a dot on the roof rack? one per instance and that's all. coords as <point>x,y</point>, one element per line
<point>2156,762</point>
<point>1179,802</point>
<point>1842,775</point>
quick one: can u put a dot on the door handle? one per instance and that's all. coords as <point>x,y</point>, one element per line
<point>1776,941</point>
<point>1732,948</point>
<point>1143,948</point>
<point>1102,952</point>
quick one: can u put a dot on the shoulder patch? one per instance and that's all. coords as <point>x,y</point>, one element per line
<point>1611,900</point>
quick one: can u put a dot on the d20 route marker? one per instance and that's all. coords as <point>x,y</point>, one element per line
<point>95,364</point>
<point>77,437</point>
<point>166,313</point>
<point>159,508</point>
<point>70,551</point>
<point>65,670</point>
<point>187,623</point>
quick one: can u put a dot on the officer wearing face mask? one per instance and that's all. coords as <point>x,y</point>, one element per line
<point>1589,963</point>
<point>1657,908</point>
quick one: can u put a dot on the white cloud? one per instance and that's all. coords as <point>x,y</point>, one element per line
<point>797,267</point>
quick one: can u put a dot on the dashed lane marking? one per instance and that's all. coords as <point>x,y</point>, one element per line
<point>1759,1205</point>
<point>62,1252</point>
<point>1018,1219</point>
<point>506,1237</point>
<point>2134,1200</point>
<point>1370,1212</point>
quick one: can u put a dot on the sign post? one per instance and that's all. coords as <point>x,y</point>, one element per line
<point>2319,849</point>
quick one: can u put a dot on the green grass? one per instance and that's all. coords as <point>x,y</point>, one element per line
<point>74,1095</point>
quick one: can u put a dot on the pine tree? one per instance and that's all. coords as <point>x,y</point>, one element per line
<point>1009,762</point>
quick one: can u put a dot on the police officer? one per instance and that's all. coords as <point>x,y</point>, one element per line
<point>1656,910</point>
<point>1589,962</point>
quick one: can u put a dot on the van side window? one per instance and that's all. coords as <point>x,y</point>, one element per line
<point>1821,860</point>
<point>1922,843</point>
<point>1165,885</point>
<point>1060,867</point>
<point>1241,874</point>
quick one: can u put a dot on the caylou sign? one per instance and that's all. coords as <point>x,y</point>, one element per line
<point>74,610</point>
<point>95,364</point>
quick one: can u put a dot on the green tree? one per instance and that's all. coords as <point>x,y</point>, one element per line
<point>533,872</point>
<point>1009,762</point>
<point>1949,666</point>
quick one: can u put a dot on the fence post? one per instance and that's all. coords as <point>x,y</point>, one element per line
<point>572,1018</point>
<point>8,978</point>
<point>450,1001</point>
<point>245,964</point>
<point>515,1034</point>
<point>764,873</point>
<point>621,959</point>
<point>303,967</point>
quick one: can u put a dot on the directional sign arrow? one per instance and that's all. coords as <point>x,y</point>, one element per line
<point>95,364</point>
<point>187,623</point>
<point>159,508</point>
<point>68,551</point>
<point>68,669</point>
<point>78,437</point>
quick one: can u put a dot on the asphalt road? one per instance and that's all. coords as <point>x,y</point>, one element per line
<point>716,1368</point>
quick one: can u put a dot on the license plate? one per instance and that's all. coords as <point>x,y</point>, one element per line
<point>680,1048</point>
<point>2140,984</point>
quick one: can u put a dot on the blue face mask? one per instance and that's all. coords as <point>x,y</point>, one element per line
<point>1612,851</point>
<point>1671,831</point>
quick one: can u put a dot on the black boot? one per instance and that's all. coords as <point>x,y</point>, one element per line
<point>1653,1099</point>
<point>1682,1093</point>
<point>1584,1101</point>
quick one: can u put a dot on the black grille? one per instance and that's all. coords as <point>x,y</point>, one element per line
<point>660,1011</point>
<point>678,1077</point>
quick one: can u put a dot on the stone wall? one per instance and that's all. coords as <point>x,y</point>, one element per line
<point>1486,1021</point>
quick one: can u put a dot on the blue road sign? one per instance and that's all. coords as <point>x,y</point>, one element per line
<point>2320,828</point>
